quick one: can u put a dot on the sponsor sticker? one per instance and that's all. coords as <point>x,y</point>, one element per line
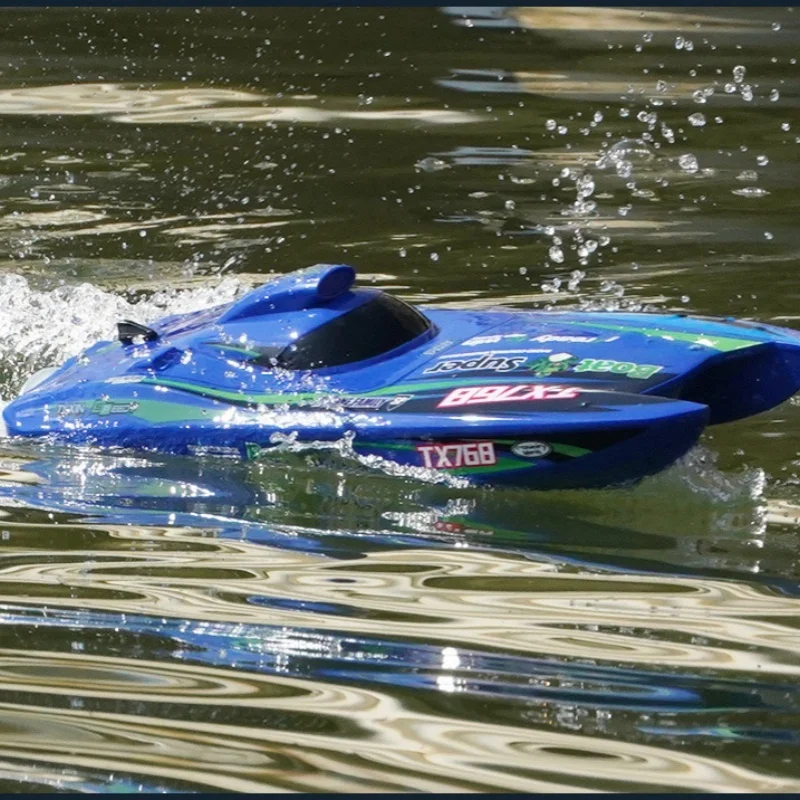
<point>477,395</point>
<point>457,454</point>
<point>549,337</point>
<point>105,407</point>
<point>495,338</point>
<point>558,362</point>
<point>398,400</point>
<point>487,362</point>
<point>97,408</point>
<point>219,451</point>
<point>531,449</point>
<point>566,362</point>
<point>252,451</point>
<point>627,368</point>
<point>359,403</point>
<point>438,347</point>
<point>70,410</point>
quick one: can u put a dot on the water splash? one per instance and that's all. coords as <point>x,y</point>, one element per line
<point>345,447</point>
<point>44,328</point>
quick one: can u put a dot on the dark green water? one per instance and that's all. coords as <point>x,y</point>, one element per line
<point>306,624</point>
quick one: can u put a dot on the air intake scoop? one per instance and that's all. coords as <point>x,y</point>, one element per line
<point>128,332</point>
<point>298,290</point>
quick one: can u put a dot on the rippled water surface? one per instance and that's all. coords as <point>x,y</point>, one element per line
<point>309,623</point>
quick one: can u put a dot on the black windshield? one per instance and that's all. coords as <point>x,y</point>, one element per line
<point>378,326</point>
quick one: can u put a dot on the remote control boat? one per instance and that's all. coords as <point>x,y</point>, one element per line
<point>543,399</point>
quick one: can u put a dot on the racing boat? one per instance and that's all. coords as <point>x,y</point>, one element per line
<point>543,399</point>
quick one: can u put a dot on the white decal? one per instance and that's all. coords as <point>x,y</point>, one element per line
<point>213,450</point>
<point>549,337</point>
<point>438,347</point>
<point>531,449</point>
<point>494,338</point>
<point>490,362</point>
<point>334,402</point>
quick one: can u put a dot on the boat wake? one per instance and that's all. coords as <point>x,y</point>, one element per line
<point>43,328</point>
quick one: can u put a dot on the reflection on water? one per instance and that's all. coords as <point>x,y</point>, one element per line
<point>313,622</point>
<point>136,105</point>
<point>593,19</point>
<point>174,598</point>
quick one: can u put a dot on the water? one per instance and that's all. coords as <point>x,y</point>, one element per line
<point>315,623</point>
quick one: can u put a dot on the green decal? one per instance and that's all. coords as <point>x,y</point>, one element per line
<point>164,411</point>
<point>548,365</point>
<point>644,371</point>
<point>299,398</point>
<point>102,408</point>
<point>570,450</point>
<point>566,362</point>
<point>722,343</point>
<point>252,450</point>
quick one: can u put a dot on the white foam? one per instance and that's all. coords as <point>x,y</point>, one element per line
<point>44,328</point>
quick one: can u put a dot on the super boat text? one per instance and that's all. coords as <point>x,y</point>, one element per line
<point>543,366</point>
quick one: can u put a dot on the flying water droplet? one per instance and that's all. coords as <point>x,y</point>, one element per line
<point>575,278</point>
<point>431,164</point>
<point>750,191</point>
<point>585,186</point>
<point>624,154</point>
<point>688,163</point>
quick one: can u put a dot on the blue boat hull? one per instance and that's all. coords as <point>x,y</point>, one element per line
<point>538,399</point>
